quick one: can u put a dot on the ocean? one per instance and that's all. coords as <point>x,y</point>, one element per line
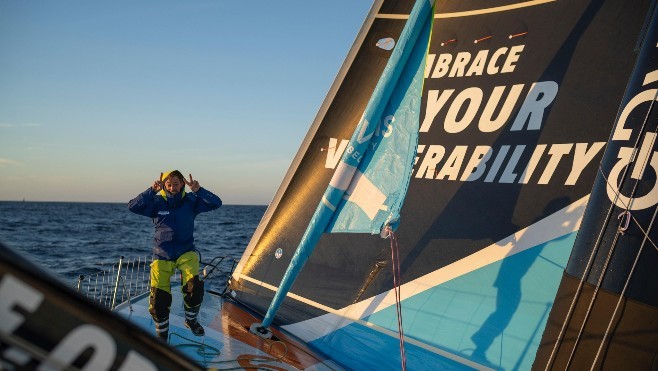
<point>68,239</point>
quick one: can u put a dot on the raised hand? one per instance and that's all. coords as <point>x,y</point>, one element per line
<point>193,184</point>
<point>158,184</point>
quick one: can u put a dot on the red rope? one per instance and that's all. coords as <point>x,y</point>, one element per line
<point>395,260</point>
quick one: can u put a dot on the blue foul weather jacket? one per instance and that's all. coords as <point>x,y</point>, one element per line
<point>173,217</point>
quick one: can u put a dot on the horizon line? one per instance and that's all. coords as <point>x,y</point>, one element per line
<point>106,202</point>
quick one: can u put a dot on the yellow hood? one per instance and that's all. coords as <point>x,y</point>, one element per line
<point>165,175</point>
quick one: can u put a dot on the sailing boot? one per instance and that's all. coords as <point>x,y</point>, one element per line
<point>163,336</point>
<point>192,323</point>
<point>192,298</point>
<point>159,303</point>
<point>196,327</point>
<point>162,329</point>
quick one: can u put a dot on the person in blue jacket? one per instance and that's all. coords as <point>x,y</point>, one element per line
<point>173,212</point>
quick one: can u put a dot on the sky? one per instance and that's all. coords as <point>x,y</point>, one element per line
<point>97,98</point>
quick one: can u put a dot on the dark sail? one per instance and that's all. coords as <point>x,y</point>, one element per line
<point>606,311</point>
<point>47,326</point>
<point>519,100</point>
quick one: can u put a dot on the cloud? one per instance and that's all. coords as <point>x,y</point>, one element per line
<point>25,125</point>
<point>7,162</point>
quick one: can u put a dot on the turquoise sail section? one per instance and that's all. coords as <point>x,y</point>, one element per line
<point>379,182</point>
<point>493,316</point>
<point>413,40</point>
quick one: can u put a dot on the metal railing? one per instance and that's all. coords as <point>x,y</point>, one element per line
<point>122,281</point>
<point>129,278</point>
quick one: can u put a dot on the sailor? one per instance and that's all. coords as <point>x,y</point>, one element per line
<point>173,212</point>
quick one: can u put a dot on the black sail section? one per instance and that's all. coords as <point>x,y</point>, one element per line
<point>444,220</point>
<point>518,104</point>
<point>606,314</point>
<point>47,325</point>
<point>464,216</point>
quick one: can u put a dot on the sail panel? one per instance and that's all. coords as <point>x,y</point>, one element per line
<point>512,129</point>
<point>608,298</point>
<point>377,190</point>
<point>361,150</point>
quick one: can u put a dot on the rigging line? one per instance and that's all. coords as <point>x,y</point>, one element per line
<point>627,207</point>
<point>396,288</point>
<point>644,165</point>
<point>606,335</point>
<point>586,272</point>
<point>646,161</point>
<point>617,234</point>
<point>599,282</point>
<point>630,160</point>
<point>637,142</point>
<point>591,302</point>
<point>395,263</point>
<point>635,147</point>
<point>645,233</point>
<point>597,246</point>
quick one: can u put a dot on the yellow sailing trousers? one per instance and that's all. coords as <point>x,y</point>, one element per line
<point>191,287</point>
<point>162,270</point>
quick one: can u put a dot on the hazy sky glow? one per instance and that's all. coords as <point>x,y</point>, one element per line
<point>99,97</point>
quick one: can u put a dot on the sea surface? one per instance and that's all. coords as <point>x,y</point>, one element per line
<point>68,239</point>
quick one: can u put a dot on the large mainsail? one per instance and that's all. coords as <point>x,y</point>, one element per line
<point>518,102</point>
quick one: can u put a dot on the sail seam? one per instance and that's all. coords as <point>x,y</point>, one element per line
<point>497,9</point>
<point>468,13</point>
<point>392,16</point>
<point>291,295</point>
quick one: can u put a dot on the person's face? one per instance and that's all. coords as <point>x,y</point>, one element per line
<point>173,185</point>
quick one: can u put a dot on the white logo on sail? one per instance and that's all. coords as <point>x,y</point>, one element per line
<point>629,155</point>
<point>365,195</point>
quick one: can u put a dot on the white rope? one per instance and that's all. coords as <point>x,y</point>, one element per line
<point>623,292</point>
<point>395,263</point>
<point>595,250</point>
